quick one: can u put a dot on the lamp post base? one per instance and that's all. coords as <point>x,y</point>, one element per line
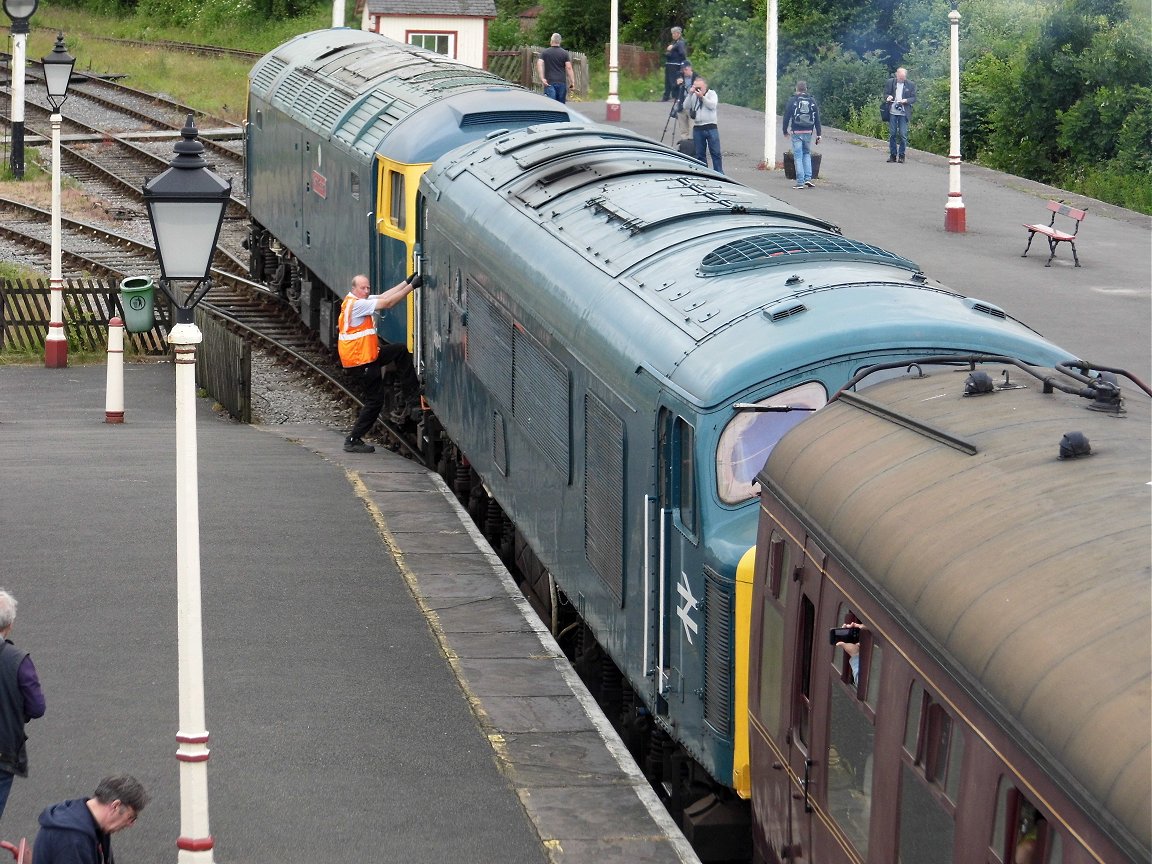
<point>55,353</point>
<point>613,112</point>
<point>954,219</point>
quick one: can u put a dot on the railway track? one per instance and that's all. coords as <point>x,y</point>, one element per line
<point>259,315</point>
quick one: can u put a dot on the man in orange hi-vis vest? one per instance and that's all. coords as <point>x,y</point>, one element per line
<point>360,349</point>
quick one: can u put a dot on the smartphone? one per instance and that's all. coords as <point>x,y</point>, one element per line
<point>843,634</point>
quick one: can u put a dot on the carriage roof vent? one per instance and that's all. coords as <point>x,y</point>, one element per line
<point>790,247</point>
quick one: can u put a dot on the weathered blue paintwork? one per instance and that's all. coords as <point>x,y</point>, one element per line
<point>592,246</point>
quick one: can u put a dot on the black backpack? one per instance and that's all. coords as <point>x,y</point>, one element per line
<point>805,113</point>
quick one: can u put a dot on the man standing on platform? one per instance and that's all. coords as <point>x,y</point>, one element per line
<point>900,94</point>
<point>554,66</point>
<point>675,56</point>
<point>801,122</point>
<point>702,104</point>
<point>21,700</point>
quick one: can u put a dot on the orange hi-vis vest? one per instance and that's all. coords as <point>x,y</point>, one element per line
<point>358,345</point>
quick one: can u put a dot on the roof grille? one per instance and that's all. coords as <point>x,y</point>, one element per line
<point>989,310</point>
<point>783,247</point>
<point>512,118</point>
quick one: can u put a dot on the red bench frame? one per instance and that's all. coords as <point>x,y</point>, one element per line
<point>1055,236</point>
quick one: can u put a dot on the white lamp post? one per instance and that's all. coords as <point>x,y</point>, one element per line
<point>954,217</point>
<point>771,60</point>
<point>613,112</point>
<point>57,74</point>
<point>186,207</point>
<point>19,11</point>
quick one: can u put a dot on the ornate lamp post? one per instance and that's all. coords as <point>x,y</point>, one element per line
<point>186,207</point>
<point>19,11</point>
<point>613,112</point>
<point>57,74</point>
<point>954,217</point>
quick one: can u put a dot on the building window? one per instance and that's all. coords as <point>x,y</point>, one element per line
<point>441,43</point>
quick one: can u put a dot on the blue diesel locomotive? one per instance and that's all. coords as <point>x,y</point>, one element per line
<point>611,339</point>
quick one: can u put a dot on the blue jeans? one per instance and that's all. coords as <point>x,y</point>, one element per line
<point>802,156</point>
<point>707,140</point>
<point>559,92</point>
<point>897,134</point>
<point>5,788</point>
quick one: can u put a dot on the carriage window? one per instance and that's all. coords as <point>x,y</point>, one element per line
<point>778,554</point>
<point>771,665</point>
<point>396,212</point>
<point>750,436</point>
<point>354,184</point>
<point>1029,839</point>
<point>847,656</point>
<point>935,742</point>
<point>874,675</point>
<point>850,745</point>
<point>926,829</point>
<point>804,685</point>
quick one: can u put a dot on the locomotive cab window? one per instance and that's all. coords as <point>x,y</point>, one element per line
<point>751,434</point>
<point>396,214</point>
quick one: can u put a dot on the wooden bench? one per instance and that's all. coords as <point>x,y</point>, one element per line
<point>1055,236</point>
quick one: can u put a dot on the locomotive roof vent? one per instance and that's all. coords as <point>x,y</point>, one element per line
<point>985,308</point>
<point>787,312</point>
<point>786,247</point>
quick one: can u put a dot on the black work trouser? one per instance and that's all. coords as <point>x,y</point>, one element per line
<point>373,387</point>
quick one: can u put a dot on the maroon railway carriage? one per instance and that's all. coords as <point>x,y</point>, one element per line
<point>1000,711</point>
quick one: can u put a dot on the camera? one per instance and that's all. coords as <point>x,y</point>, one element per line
<point>844,634</point>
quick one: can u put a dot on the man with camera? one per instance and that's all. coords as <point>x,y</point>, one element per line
<point>683,118</point>
<point>701,103</point>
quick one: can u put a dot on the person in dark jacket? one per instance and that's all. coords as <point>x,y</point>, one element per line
<point>900,94</point>
<point>801,122</point>
<point>21,700</point>
<point>675,56</point>
<point>79,831</point>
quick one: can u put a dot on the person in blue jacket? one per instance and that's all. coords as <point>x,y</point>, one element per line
<point>79,831</point>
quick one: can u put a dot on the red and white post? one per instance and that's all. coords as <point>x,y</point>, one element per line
<point>612,115</point>
<point>56,343</point>
<point>114,386</point>
<point>954,217</point>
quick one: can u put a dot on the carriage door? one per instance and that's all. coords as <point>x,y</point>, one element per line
<point>672,529</point>
<point>807,577</point>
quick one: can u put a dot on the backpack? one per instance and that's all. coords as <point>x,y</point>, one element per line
<point>805,114</point>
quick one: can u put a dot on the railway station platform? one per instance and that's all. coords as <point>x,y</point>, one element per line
<point>376,689</point>
<point>1101,311</point>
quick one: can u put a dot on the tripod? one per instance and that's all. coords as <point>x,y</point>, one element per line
<point>677,107</point>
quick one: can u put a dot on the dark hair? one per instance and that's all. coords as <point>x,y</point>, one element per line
<point>123,788</point>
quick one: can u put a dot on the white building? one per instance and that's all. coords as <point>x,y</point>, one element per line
<point>455,28</point>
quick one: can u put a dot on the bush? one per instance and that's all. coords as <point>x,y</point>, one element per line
<point>846,86</point>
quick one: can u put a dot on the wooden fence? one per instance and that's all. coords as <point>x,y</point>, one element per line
<point>223,359</point>
<point>89,304</point>
<point>224,367</point>
<point>519,66</point>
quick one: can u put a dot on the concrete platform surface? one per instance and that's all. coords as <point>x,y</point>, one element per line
<point>376,688</point>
